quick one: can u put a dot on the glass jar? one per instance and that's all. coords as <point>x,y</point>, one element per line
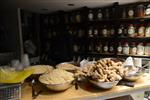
<point>80,33</point>
<point>112,31</point>
<point>99,47</point>
<point>107,13</point>
<point>75,48</point>
<point>126,48</point>
<point>133,48</point>
<point>105,48</point>
<point>140,10</point>
<point>119,48</point>
<point>124,13</point>
<point>147,49</point>
<point>99,14</point>
<point>95,32</point>
<point>147,31</point>
<point>131,30</point>
<point>90,32</point>
<point>104,31</point>
<point>140,49</point>
<point>147,11</point>
<point>141,31</point>
<point>131,12</point>
<point>90,15</point>
<point>78,17</point>
<point>111,48</point>
<point>120,30</point>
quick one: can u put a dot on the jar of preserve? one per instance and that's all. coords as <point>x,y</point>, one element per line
<point>104,31</point>
<point>95,32</point>
<point>131,12</point>
<point>90,15</point>
<point>147,31</point>
<point>119,48</point>
<point>147,49</point>
<point>90,32</point>
<point>147,11</point>
<point>131,30</point>
<point>111,48</point>
<point>112,31</point>
<point>105,48</point>
<point>78,17</point>
<point>141,31</point>
<point>120,30</point>
<point>140,49</point>
<point>140,10</point>
<point>133,48</point>
<point>126,48</point>
<point>99,14</point>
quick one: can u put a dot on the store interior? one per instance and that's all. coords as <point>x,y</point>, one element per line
<point>47,32</point>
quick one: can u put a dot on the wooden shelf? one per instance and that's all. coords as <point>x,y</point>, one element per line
<point>140,39</point>
<point>138,56</point>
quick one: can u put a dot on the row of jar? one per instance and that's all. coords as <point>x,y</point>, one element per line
<point>122,48</point>
<point>133,48</point>
<point>129,30</point>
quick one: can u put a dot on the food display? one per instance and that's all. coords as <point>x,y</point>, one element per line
<point>40,69</point>
<point>66,66</point>
<point>57,76</point>
<point>105,70</point>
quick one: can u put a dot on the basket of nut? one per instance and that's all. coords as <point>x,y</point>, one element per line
<point>104,73</point>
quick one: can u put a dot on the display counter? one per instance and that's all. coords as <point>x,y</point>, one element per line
<point>86,91</point>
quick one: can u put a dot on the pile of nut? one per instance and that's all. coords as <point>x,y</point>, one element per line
<point>105,70</point>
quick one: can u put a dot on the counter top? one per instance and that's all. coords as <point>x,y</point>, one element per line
<point>86,91</point>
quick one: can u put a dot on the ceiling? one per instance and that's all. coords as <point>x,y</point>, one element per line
<point>54,5</point>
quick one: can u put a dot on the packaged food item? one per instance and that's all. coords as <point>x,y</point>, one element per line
<point>147,31</point>
<point>105,48</point>
<point>126,48</point>
<point>104,31</point>
<point>107,13</point>
<point>112,31</point>
<point>131,30</point>
<point>133,48</point>
<point>99,47</point>
<point>124,13</point>
<point>140,49</point>
<point>147,11</point>
<point>99,14</point>
<point>131,12</point>
<point>111,48</point>
<point>147,49</point>
<point>78,17</point>
<point>120,30</point>
<point>141,31</point>
<point>95,32</point>
<point>140,10</point>
<point>90,32</point>
<point>91,15</point>
<point>119,48</point>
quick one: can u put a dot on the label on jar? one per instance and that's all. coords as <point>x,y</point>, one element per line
<point>119,49</point>
<point>104,32</point>
<point>99,16</point>
<point>147,32</point>
<point>131,31</point>
<point>90,16</point>
<point>95,32</point>
<point>119,31</point>
<point>111,48</point>
<point>126,50</point>
<point>105,48</point>
<point>130,13</point>
<point>141,31</point>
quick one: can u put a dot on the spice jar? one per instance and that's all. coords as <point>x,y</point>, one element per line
<point>126,48</point>
<point>90,15</point>
<point>119,48</point>
<point>99,47</point>
<point>131,30</point>
<point>133,48</point>
<point>111,48</point>
<point>141,31</point>
<point>99,14</point>
<point>140,10</point>
<point>105,48</point>
<point>147,31</point>
<point>104,31</point>
<point>147,11</point>
<point>140,49</point>
<point>78,17</point>
<point>147,49</point>
<point>130,12</point>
